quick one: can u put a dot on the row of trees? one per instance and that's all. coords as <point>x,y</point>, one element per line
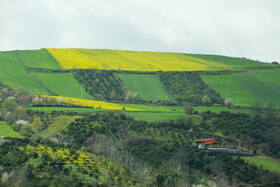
<point>103,85</point>
<point>189,87</point>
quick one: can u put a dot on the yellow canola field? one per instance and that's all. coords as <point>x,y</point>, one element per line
<point>131,60</point>
<point>91,103</point>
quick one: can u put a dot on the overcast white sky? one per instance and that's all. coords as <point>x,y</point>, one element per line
<point>241,28</point>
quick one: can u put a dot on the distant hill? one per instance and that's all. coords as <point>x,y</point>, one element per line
<point>50,71</point>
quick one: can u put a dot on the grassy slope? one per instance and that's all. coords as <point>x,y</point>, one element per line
<point>58,125</point>
<point>7,131</point>
<point>147,85</point>
<point>38,59</point>
<point>245,88</point>
<point>147,61</point>
<point>232,61</point>
<point>13,74</point>
<point>62,84</point>
<point>267,164</point>
<point>132,60</point>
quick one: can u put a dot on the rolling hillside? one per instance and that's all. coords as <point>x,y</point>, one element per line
<point>181,103</point>
<point>248,87</point>
<point>38,59</point>
<point>12,73</point>
<point>62,84</point>
<point>146,61</point>
<point>44,72</point>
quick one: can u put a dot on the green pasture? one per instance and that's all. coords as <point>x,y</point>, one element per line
<point>147,85</point>
<point>246,88</point>
<point>7,131</point>
<point>62,84</point>
<point>266,164</point>
<point>12,73</point>
<point>236,63</point>
<point>38,59</point>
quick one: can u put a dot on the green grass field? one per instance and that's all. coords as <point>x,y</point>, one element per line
<point>38,59</point>
<point>147,85</point>
<point>63,84</point>
<point>13,74</point>
<point>245,88</point>
<point>7,131</point>
<point>237,63</point>
<point>267,164</point>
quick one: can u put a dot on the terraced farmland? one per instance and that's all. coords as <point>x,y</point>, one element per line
<point>131,60</point>
<point>147,85</point>
<point>38,59</point>
<point>245,88</point>
<point>63,84</point>
<point>12,73</point>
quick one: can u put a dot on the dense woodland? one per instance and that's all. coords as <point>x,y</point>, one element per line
<point>260,130</point>
<point>189,87</point>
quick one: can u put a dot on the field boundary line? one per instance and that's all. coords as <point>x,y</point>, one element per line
<point>53,57</point>
<point>165,90</point>
<point>34,78</point>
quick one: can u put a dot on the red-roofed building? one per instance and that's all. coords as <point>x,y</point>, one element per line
<point>202,144</point>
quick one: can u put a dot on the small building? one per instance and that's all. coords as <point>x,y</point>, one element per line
<point>203,143</point>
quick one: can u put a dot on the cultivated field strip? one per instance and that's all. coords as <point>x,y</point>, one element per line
<point>12,73</point>
<point>38,59</point>
<point>248,87</point>
<point>234,62</point>
<point>63,84</point>
<point>146,85</point>
<point>131,60</point>
<point>92,103</point>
